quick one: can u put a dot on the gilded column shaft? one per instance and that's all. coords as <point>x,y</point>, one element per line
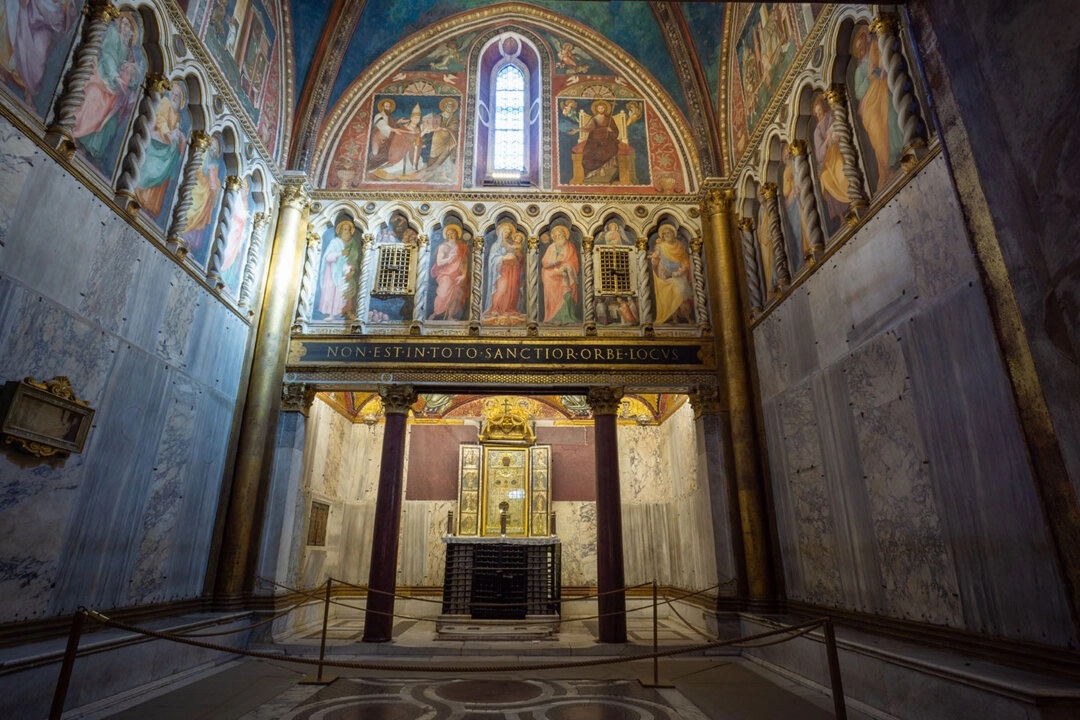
<point>736,397</point>
<point>254,452</point>
<point>701,302</point>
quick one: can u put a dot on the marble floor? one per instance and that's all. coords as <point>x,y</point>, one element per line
<point>416,677</point>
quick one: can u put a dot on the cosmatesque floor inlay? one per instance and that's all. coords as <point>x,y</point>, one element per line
<point>485,699</point>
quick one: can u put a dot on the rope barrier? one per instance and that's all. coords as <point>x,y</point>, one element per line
<point>463,668</point>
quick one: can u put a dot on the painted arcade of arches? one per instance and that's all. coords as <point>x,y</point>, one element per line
<point>857,132</point>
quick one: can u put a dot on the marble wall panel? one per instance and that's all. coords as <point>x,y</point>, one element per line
<point>681,463</point>
<point>917,576</point>
<point>216,341</point>
<point>642,472</point>
<point>120,258</point>
<point>857,558</point>
<point>53,251</point>
<point>577,530</point>
<point>100,542</point>
<point>813,537</point>
<point>283,531</point>
<point>357,523</point>
<point>1006,571</point>
<point>721,504</point>
<point>18,154</point>
<point>422,550</point>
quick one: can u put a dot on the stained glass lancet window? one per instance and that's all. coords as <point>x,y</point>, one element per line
<point>509,140</point>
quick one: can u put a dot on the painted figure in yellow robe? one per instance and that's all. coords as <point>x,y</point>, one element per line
<point>672,278</point>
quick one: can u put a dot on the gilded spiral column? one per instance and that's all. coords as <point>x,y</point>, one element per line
<point>423,249</point>
<point>737,415</point>
<point>259,224</point>
<point>800,166</point>
<point>781,274</point>
<point>750,263</point>
<point>131,166</point>
<point>836,96</point>
<point>588,283</point>
<point>233,185</point>
<point>99,13</point>
<point>196,149</point>
<point>646,308</point>
<point>610,574</point>
<point>307,281</point>
<point>246,505</point>
<point>701,298</point>
<point>382,575</point>
<point>887,30</point>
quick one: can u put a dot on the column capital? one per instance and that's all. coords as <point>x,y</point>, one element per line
<point>313,238</point>
<point>587,243</point>
<point>422,240</point>
<point>836,94</point>
<point>294,196</point>
<point>885,24</point>
<point>102,10</point>
<point>605,400</point>
<point>397,399</point>
<point>642,243</point>
<point>706,400</point>
<point>746,224</point>
<point>157,83</point>
<point>768,190</point>
<point>200,140</point>
<point>297,397</point>
<point>797,147</point>
<point>717,201</point>
<point>696,244</point>
<point>232,182</point>
<point>478,241</point>
<point>260,220</point>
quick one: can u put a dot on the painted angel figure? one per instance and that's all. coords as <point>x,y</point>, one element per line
<point>568,58</point>
<point>446,53</point>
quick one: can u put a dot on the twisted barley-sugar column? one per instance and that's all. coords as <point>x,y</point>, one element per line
<point>737,412</point>
<point>254,452</point>
<point>131,166</point>
<point>532,281</point>
<point>701,298</point>
<point>610,574</point>
<point>750,262</point>
<point>307,281</point>
<point>588,283</point>
<point>233,185</point>
<point>800,165</point>
<point>199,142</point>
<point>99,13</point>
<point>382,576</point>
<point>781,266</point>
<point>368,258</point>
<point>423,249</point>
<point>836,96</point>
<point>646,308</point>
<point>476,284</point>
<point>259,224</point>
<point>887,30</point>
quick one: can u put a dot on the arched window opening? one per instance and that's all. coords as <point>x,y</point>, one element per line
<point>509,141</point>
<point>509,118</point>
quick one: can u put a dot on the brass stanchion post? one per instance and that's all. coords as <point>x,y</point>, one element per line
<point>318,679</point>
<point>839,707</point>
<point>68,664</point>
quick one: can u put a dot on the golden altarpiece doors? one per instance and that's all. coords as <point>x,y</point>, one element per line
<point>505,474</point>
